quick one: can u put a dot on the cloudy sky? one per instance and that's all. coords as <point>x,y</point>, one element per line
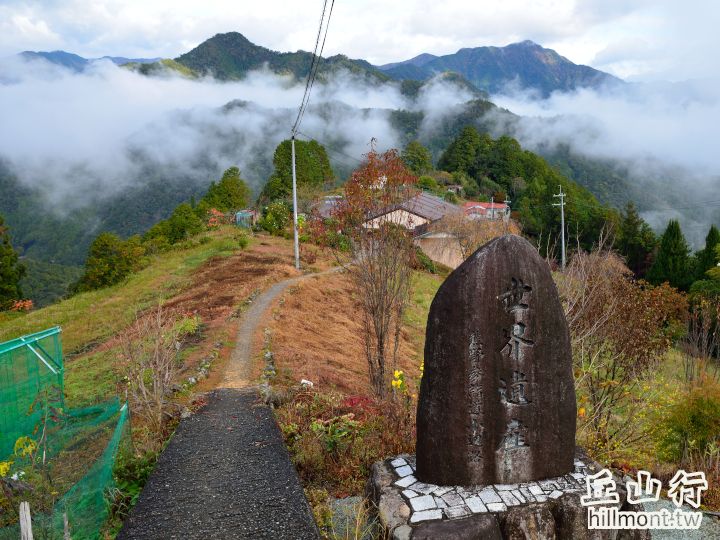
<point>637,39</point>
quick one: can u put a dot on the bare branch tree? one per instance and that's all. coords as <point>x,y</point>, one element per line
<point>619,329</point>
<point>150,348</point>
<point>702,342</point>
<point>464,235</point>
<point>380,254</point>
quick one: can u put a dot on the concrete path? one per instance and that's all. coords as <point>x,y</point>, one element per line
<point>226,472</point>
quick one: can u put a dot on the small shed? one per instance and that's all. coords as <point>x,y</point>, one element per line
<point>246,218</point>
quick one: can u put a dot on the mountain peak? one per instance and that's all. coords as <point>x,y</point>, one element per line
<point>236,37</point>
<point>526,43</point>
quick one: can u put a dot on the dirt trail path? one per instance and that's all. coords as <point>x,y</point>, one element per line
<point>238,373</point>
<point>226,472</point>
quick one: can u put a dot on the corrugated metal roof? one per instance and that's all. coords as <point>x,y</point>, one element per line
<point>429,206</point>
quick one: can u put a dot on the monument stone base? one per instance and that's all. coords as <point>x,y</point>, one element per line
<point>546,509</point>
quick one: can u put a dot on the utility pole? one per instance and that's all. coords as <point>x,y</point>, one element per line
<point>295,219</point>
<point>506,217</point>
<point>492,207</point>
<point>561,204</point>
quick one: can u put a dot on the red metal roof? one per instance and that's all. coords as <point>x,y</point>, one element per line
<point>469,205</point>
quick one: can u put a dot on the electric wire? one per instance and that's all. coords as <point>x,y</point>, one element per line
<point>314,65</point>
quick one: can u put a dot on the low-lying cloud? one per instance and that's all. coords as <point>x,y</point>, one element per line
<point>663,134</point>
<point>101,130</point>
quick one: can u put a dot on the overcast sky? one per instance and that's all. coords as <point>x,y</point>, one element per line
<point>634,39</point>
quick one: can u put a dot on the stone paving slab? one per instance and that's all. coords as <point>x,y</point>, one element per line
<point>225,474</point>
<point>455,502</point>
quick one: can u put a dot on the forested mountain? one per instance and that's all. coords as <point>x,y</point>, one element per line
<point>491,68</point>
<point>231,56</point>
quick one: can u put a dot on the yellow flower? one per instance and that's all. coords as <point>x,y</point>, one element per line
<point>5,468</point>
<point>398,373</point>
<point>581,412</point>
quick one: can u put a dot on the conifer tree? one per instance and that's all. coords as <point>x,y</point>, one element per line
<point>672,262</point>
<point>708,257</point>
<point>636,241</point>
<point>230,194</point>
<point>11,270</point>
<point>460,156</point>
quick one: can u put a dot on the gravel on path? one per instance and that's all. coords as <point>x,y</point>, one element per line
<point>225,474</point>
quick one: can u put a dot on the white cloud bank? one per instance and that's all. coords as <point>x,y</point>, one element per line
<point>663,133</point>
<point>98,131</point>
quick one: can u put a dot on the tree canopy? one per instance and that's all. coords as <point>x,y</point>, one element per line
<point>672,262</point>
<point>182,224</point>
<point>709,257</point>
<point>417,158</point>
<point>636,241</point>
<point>230,194</point>
<point>110,260</point>
<point>11,270</point>
<point>501,168</point>
<point>312,168</point>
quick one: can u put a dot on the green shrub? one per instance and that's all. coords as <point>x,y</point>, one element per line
<point>423,262</point>
<point>276,218</point>
<point>188,326</point>
<point>427,182</point>
<point>693,424</point>
<point>451,197</point>
<point>242,239</point>
<point>227,245</point>
<point>156,244</point>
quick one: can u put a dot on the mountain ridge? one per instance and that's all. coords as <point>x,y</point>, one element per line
<point>490,68</point>
<point>78,63</point>
<point>231,55</point>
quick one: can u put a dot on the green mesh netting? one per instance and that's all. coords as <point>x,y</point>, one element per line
<point>31,376</point>
<point>76,448</point>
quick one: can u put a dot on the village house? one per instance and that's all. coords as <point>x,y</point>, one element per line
<point>415,213</point>
<point>486,210</point>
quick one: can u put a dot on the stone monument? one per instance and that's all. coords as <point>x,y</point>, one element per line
<point>496,455</point>
<point>497,399</point>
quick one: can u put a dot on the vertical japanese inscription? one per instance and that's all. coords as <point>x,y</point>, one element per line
<point>515,389</point>
<point>475,399</point>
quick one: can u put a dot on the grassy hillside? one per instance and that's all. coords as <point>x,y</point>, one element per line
<point>207,277</point>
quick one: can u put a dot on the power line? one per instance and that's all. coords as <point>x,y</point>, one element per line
<point>314,64</point>
<point>330,147</point>
<point>312,73</point>
<point>317,63</point>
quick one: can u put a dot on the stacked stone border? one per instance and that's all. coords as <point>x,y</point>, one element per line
<point>410,509</point>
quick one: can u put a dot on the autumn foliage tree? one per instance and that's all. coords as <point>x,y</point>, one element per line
<point>619,328</point>
<point>380,255</point>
